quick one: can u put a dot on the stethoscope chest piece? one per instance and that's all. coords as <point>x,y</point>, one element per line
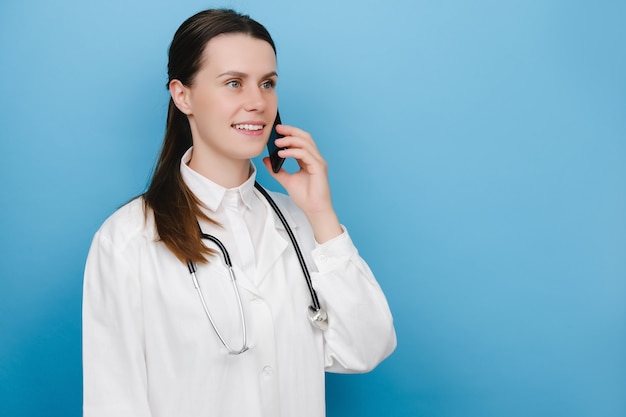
<point>318,317</point>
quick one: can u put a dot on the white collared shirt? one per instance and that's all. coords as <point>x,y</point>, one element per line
<point>238,208</point>
<point>149,350</point>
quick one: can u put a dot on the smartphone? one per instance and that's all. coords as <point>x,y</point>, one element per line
<point>272,149</point>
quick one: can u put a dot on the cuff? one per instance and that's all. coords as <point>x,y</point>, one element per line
<point>333,253</point>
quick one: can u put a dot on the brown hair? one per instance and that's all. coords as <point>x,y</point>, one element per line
<point>176,209</point>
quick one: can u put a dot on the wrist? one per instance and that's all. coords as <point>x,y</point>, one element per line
<point>325,225</point>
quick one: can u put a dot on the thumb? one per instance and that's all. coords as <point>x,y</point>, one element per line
<point>281,176</point>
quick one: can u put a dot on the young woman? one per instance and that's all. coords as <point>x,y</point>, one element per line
<point>168,328</point>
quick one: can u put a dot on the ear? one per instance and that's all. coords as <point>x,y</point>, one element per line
<point>180,96</point>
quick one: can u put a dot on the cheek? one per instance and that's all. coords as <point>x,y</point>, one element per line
<point>224,106</point>
<point>208,104</point>
<point>272,97</point>
<point>206,100</point>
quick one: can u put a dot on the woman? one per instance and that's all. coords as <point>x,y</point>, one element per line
<point>153,344</point>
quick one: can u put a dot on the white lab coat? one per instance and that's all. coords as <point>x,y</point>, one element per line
<point>149,350</point>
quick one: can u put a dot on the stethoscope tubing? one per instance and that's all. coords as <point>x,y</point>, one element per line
<point>307,276</point>
<point>233,281</point>
<point>316,314</point>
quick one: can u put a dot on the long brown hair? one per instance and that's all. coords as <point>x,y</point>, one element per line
<point>176,209</point>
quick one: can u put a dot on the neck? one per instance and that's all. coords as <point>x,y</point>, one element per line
<point>227,173</point>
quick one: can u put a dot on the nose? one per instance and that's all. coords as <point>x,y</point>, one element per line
<point>255,100</point>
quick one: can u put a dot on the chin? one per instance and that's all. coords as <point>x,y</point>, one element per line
<point>253,153</point>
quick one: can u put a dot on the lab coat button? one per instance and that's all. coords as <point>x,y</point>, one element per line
<point>322,259</point>
<point>257,300</point>
<point>267,370</point>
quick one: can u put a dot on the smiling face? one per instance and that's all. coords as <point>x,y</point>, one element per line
<point>231,104</point>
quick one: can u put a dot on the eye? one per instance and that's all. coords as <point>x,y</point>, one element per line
<point>233,84</point>
<point>268,85</point>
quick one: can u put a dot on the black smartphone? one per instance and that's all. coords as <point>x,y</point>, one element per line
<point>272,149</point>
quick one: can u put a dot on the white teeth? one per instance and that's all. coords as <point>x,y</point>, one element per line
<point>248,127</point>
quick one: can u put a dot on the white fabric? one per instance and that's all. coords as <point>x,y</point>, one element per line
<point>148,347</point>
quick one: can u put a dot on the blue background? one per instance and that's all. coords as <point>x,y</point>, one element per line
<point>477,154</point>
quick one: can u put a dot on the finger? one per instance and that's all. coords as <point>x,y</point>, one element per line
<point>287,130</point>
<point>308,161</point>
<point>298,142</point>
<point>280,176</point>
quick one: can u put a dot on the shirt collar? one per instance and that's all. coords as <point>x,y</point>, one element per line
<point>210,193</point>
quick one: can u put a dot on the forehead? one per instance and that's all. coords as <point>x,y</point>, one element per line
<point>238,52</point>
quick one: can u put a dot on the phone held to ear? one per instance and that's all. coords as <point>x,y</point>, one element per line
<point>272,149</point>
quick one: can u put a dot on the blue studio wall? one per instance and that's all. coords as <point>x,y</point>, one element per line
<point>477,152</point>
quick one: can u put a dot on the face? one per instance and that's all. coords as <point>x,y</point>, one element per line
<point>232,103</point>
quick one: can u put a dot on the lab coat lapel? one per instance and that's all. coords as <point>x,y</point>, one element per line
<point>275,242</point>
<point>272,248</point>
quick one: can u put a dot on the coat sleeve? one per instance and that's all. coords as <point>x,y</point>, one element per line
<point>114,370</point>
<point>360,331</point>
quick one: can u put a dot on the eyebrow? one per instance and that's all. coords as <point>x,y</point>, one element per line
<point>239,74</point>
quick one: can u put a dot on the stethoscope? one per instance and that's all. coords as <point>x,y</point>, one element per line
<point>316,314</point>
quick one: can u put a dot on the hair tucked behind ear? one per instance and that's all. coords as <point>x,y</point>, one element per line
<point>176,209</point>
